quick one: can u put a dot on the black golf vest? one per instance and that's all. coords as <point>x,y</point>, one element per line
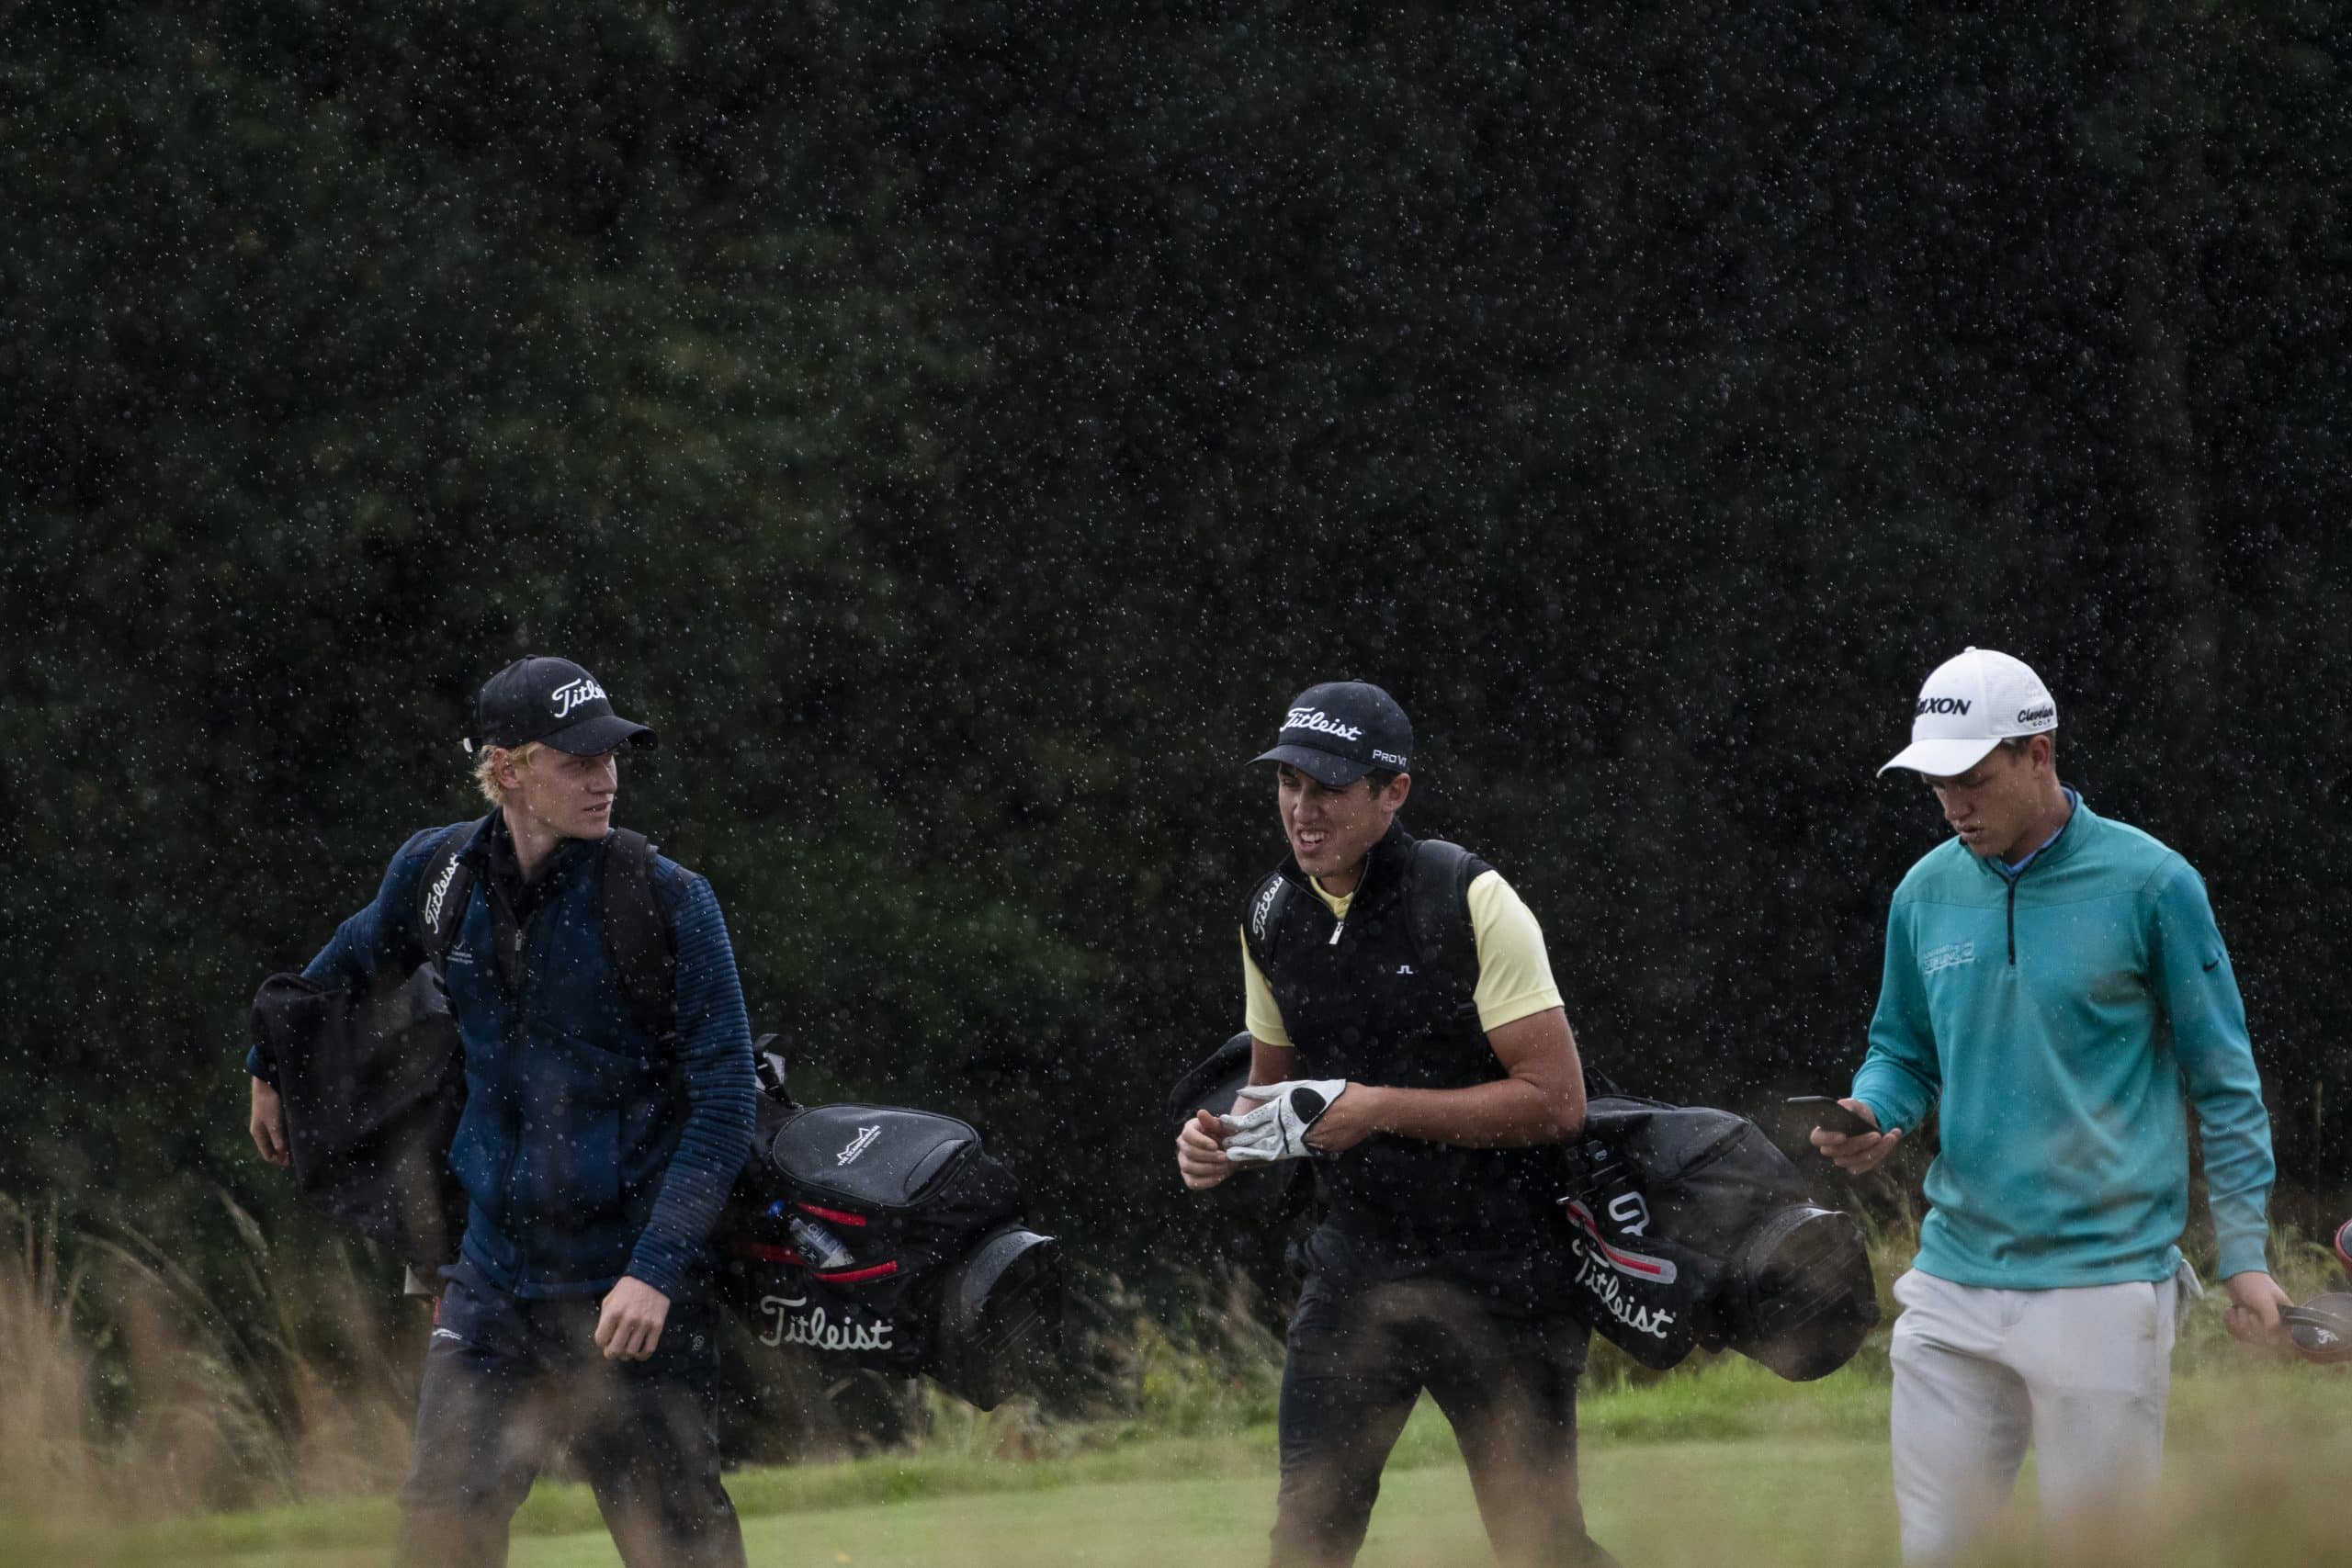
<point>1375,999</point>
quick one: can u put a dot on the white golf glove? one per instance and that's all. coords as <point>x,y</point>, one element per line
<point>1277,1129</point>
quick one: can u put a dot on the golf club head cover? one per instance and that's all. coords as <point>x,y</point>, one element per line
<point>1277,1129</point>
<point>2344,1245</point>
<point>2321,1327</point>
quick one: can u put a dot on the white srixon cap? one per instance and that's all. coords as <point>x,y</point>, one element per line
<point>1970,704</point>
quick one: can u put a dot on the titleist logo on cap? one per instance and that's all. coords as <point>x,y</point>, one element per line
<point>569,696</point>
<point>1337,731</point>
<point>1321,723</point>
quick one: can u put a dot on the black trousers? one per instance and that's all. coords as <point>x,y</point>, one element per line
<point>506,1376</point>
<point>1361,1355</point>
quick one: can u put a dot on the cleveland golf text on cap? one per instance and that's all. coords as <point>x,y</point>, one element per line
<point>1968,706</point>
<point>555,702</point>
<point>1337,732</point>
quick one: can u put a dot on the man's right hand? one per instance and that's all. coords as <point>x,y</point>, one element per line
<point>1201,1158</point>
<point>1862,1152</point>
<point>268,1125</point>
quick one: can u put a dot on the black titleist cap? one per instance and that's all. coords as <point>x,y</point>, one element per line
<point>552,700</point>
<point>1341,730</point>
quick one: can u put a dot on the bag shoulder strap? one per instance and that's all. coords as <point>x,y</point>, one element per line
<point>639,943</point>
<point>442,893</point>
<point>1437,907</point>
<point>1261,927</point>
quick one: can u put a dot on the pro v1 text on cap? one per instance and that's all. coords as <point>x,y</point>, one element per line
<point>1341,730</point>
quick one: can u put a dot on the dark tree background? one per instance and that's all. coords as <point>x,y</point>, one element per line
<point>959,428</point>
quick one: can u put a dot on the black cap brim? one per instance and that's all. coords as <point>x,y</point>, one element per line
<point>594,737</point>
<point>1334,773</point>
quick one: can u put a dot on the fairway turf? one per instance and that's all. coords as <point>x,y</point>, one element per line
<point>1728,1466</point>
<point>1656,1506</point>
<point>1709,1504</point>
<point>1808,1503</point>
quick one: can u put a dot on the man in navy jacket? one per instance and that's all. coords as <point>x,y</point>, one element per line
<point>595,1153</point>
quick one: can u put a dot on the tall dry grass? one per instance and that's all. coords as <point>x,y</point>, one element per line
<point>130,1390</point>
<point>47,1446</point>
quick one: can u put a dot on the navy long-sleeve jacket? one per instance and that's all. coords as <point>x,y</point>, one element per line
<point>589,1148</point>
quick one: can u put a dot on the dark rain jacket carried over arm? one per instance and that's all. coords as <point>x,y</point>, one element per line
<point>589,1147</point>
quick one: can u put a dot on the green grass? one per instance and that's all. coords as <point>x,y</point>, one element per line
<point>1791,1503</point>
<point>1724,1463</point>
<point>1425,1516</point>
<point>1156,1504</point>
<point>1729,1399</point>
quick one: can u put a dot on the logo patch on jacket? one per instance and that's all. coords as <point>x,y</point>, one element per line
<point>1950,956</point>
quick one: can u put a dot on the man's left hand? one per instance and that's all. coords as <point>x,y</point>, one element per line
<point>630,1326</point>
<point>2252,1314</point>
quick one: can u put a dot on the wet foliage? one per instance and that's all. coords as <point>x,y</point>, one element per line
<point>958,429</point>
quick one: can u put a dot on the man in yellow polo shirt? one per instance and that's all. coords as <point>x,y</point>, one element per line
<point>1405,1030</point>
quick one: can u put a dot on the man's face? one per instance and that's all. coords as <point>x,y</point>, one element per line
<point>1331,830</point>
<point>570,796</point>
<point>1996,806</point>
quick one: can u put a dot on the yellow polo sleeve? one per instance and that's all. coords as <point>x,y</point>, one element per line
<point>1514,972</point>
<point>1258,1013</point>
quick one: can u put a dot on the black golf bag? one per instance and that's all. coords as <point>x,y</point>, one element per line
<point>1686,1228</point>
<point>1212,1086</point>
<point>1689,1228</point>
<point>889,1237</point>
<point>373,1082</point>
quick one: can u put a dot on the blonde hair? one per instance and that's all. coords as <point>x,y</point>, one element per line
<point>486,767</point>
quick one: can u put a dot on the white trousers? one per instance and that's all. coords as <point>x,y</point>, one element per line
<point>2082,1375</point>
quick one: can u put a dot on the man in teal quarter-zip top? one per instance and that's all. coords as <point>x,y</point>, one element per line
<point>2056,991</point>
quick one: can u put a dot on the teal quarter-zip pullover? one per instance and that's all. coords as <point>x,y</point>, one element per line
<point>2064,1019</point>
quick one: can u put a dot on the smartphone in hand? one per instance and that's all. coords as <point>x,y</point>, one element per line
<point>1831,1116</point>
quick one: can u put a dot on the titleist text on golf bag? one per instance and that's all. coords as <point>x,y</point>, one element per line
<point>1689,1228</point>
<point>890,1237</point>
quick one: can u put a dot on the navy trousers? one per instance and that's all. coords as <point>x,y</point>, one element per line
<point>1361,1356</point>
<point>505,1378</point>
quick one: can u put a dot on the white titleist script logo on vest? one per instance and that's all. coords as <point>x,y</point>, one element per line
<point>572,694</point>
<point>440,892</point>
<point>1265,906</point>
<point>797,1323</point>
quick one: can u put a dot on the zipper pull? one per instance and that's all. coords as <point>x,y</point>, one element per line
<point>1337,926</point>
